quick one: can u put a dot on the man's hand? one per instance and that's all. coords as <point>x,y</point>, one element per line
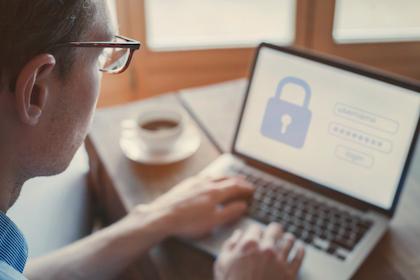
<point>199,204</point>
<point>258,255</point>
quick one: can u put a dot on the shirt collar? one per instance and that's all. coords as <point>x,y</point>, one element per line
<point>13,247</point>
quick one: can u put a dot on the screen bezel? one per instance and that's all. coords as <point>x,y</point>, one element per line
<point>305,183</point>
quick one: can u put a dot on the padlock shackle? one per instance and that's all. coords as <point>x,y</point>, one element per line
<point>298,82</point>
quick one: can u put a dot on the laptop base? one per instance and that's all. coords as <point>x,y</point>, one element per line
<point>317,263</point>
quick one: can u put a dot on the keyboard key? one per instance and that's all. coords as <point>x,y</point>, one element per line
<point>277,204</point>
<point>320,244</point>
<point>365,224</point>
<point>332,248</point>
<point>262,217</point>
<point>341,254</point>
<point>345,243</point>
<point>267,200</point>
<point>307,237</point>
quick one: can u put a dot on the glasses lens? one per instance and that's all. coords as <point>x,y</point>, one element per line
<point>113,60</point>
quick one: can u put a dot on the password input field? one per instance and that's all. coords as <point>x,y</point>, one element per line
<point>360,137</point>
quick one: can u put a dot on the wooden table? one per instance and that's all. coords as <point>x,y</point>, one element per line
<point>119,185</point>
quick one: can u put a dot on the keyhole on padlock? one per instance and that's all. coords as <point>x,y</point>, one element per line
<point>286,120</point>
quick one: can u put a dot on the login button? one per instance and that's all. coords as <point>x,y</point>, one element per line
<point>353,156</point>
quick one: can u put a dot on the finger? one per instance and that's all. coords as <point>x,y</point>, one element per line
<point>233,188</point>
<point>213,178</point>
<point>286,245</point>
<point>251,238</point>
<point>219,178</point>
<point>233,240</point>
<point>243,177</point>
<point>272,235</point>
<point>297,260</point>
<point>230,212</point>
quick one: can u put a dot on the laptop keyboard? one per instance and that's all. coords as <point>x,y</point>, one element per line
<point>322,226</point>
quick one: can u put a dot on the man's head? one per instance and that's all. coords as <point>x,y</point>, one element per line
<point>47,94</point>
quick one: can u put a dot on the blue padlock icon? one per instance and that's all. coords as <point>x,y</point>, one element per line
<point>287,122</point>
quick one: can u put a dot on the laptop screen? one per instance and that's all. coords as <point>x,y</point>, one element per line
<point>334,127</point>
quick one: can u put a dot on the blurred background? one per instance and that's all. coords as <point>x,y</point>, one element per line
<point>188,43</point>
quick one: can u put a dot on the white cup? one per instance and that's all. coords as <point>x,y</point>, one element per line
<point>160,128</point>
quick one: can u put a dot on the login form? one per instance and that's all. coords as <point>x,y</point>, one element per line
<point>345,131</point>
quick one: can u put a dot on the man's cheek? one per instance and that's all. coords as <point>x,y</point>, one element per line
<point>95,84</point>
<point>92,96</point>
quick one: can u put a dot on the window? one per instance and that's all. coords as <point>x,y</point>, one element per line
<point>204,24</point>
<point>359,21</point>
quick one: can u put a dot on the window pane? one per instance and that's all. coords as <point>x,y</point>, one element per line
<point>197,24</point>
<point>376,21</point>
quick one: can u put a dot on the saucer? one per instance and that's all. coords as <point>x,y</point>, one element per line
<point>136,150</point>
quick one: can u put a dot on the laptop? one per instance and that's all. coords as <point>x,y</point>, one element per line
<point>328,146</point>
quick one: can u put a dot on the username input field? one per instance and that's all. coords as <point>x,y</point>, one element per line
<point>366,118</point>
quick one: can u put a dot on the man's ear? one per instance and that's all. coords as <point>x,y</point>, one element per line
<point>32,88</point>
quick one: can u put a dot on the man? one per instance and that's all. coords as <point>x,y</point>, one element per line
<point>48,92</point>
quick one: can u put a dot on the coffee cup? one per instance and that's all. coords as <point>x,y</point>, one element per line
<point>160,128</point>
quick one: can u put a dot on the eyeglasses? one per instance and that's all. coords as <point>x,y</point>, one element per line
<point>115,56</point>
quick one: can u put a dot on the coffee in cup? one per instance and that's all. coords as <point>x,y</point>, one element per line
<point>160,128</point>
<point>159,125</point>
